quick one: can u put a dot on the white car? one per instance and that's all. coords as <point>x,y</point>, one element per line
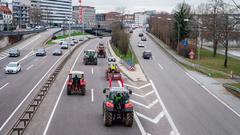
<point>141,44</point>
<point>13,67</point>
<point>64,46</point>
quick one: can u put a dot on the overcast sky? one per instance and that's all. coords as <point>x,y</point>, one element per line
<point>137,5</point>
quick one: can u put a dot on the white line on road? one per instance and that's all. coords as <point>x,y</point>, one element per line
<point>135,87</point>
<point>165,110</point>
<point>30,42</point>
<point>155,120</point>
<point>92,94</point>
<point>4,124</point>
<point>92,71</point>
<point>140,126</point>
<point>142,96</point>
<point>28,55</point>
<point>54,108</point>
<point>3,86</point>
<point>29,67</point>
<point>146,106</point>
<point>60,95</point>
<point>171,133</point>
<point>221,101</point>
<point>160,66</point>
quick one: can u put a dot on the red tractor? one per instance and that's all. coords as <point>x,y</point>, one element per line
<point>76,83</point>
<point>101,52</point>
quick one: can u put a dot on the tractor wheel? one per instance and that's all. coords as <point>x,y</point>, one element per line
<point>107,118</point>
<point>69,91</point>
<point>83,90</point>
<point>129,119</point>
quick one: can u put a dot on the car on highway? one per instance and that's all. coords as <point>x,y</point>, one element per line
<point>12,68</point>
<point>14,52</point>
<point>141,44</point>
<point>147,55</point>
<point>41,52</point>
<point>140,35</point>
<point>130,31</point>
<point>64,45</point>
<point>57,52</point>
<point>143,39</point>
<point>81,39</point>
<point>75,41</point>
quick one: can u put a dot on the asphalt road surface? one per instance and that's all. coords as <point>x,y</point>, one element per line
<point>16,90</point>
<point>192,109</point>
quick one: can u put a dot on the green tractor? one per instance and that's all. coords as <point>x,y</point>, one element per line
<point>90,57</point>
<point>117,106</point>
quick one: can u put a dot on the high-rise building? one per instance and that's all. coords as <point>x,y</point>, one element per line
<point>20,10</point>
<point>53,12</point>
<point>85,15</point>
<point>140,18</point>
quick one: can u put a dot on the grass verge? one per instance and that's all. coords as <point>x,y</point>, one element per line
<point>130,55</point>
<point>72,34</point>
<point>216,63</point>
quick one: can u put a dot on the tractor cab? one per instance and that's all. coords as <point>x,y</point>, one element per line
<point>76,83</point>
<point>90,57</point>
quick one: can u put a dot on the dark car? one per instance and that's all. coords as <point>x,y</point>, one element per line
<point>14,52</point>
<point>40,52</point>
<point>144,39</point>
<point>57,52</point>
<point>130,31</point>
<point>140,35</point>
<point>147,55</point>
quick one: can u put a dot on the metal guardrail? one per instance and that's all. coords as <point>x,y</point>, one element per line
<point>24,120</point>
<point>13,33</point>
<point>232,89</point>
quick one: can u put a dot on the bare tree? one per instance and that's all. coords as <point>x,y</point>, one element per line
<point>35,15</point>
<point>229,21</point>
<point>212,21</point>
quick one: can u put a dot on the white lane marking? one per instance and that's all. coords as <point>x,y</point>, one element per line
<point>146,106</point>
<point>54,108</point>
<point>78,56</point>
<point>3,86</point>
<point>29,67</point>
<point>92,95</point>
<point>25,57</point>
<point>171,133</point>
<point>30,42</point>
<point>155,120</point>
<point>142,96</point>
<point>4,53</point>
<point>170,120</point>
<point>160,66</point>
<point>4,124</point>
<point>135,87</point>
<point>60,95</point>
<point>140,126</point>
<point>212,94</point>
<point>92,71</point>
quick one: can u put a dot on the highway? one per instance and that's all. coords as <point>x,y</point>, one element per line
<point>77,114</point>
<point>17,89</point>
<point>170,103</point>
<point>192,109</point>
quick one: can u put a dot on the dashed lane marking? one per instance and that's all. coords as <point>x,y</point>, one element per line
<point>4,86</point>
<point>160,66</point>
<point>29,67</point>
<point>92,91</point>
